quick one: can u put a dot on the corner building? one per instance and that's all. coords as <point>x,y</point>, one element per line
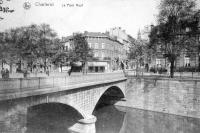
<point>108,52</point>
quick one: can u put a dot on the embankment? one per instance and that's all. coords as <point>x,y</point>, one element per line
<point>173,96</point>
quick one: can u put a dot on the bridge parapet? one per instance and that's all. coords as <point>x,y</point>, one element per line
<point>21,85</point>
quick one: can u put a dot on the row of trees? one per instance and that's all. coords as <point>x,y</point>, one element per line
<point>39,43</point>
<point>176,31</point>
<point>28,43</point>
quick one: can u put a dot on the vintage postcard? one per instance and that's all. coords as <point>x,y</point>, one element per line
<point>99,66</point>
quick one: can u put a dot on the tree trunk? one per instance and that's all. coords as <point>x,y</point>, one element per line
<point>172,69</point>
<point>199,63</point>
<point>61,68</point>
<point>86,67</point>
<point>45,65</point>
<point>2,63</point>
<point>83,67</point>
<point>11,67</point>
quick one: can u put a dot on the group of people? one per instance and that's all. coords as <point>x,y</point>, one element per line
<point>72,67</point>
<point>5,73</point>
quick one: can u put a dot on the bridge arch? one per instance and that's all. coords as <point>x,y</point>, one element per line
<point>109,96</point>
<point>61,102</point>
<point>43,116</point>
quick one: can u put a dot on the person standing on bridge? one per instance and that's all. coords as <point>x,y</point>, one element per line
<point>7,73</point>
<point>122,67</point>
<point>3,73</point>
<point>71,68</point>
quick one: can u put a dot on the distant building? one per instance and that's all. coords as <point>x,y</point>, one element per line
<point>108,51</point>
<point>121,36</point>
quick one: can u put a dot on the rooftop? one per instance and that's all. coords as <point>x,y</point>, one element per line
<point>95,34</point>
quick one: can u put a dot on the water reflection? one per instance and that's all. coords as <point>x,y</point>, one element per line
<point>109,120</point>
<point>51,118</point>
<point>140,121</point>
<point>57,118</point>
<point>12,118</point>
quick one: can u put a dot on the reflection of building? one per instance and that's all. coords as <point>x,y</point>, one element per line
<point>108,51</point>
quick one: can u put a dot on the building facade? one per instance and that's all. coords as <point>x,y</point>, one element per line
<point>108,51</point>
<point>121,36</point>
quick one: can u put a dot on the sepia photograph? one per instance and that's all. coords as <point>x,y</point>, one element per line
<point>99,66</point>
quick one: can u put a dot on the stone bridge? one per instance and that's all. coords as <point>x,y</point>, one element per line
<point>80,92</point>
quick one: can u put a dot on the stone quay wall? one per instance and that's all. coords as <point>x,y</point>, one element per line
<point>173,96</point>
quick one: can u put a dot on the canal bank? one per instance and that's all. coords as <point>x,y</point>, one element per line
<point>171,96</point>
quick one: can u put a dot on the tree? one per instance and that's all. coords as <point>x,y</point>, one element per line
<point>3,49</point>
<point>30,43</point>
<point>80,50</point>
<point>169,37</point>
<point>47,43</point>
<point>137,52</point>
<point>8,53</point>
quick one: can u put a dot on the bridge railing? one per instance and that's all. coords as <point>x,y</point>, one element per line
<point>24,84</point>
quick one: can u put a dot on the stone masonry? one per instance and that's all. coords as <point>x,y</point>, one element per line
<point>173,96</point>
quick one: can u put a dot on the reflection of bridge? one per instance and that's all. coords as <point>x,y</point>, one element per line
<point>79,92</point>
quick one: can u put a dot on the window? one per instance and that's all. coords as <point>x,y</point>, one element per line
<point>158,61</point>
<point>96,45</point>
<point>102,55</point>
<point>103,45</point>
<point>187,62</point>
<point>100,46</point>
<point>95,54</point>
<point>99,54</point>
<point>66,48</point>
<point>90,45</point>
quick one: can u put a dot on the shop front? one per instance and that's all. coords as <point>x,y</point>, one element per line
<point>98,67</point>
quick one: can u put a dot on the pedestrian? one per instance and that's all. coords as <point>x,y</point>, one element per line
<point>71,68</point>
<point>47,71</point>
<point>25,72</point>
<point>147,67</point>
<point>83,67</point>
<point>122,67</point>
<point>168,69</point>
<point>3,73</point>
<point>86,68</point>
<point>7,73</point>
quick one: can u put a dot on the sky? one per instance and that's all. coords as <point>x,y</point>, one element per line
<point>92,15</point>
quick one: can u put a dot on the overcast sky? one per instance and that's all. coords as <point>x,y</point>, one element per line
<point>94,15</point>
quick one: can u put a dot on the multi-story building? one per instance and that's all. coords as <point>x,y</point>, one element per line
<point>121,36</point>
<point>107,51</point>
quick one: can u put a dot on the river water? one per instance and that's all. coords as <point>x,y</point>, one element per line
<point>110,119</point>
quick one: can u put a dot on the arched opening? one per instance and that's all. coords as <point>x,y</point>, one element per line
<point>109,118</point>
<point>51,118</point>
<point>110,97</point>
